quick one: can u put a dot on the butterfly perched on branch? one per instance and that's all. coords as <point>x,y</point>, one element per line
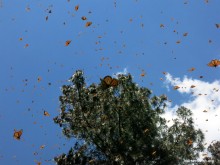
<point>108,81</point>
<point>214,63</point>
<point>189,142</point>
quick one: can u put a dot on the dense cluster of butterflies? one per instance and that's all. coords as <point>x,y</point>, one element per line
<point>108,81</point>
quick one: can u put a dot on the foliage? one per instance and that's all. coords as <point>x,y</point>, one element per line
<point>123,125</point>
<point>214,149</point>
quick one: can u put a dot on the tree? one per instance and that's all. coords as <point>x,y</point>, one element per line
<point>121,124</point>
<point>214,150</point>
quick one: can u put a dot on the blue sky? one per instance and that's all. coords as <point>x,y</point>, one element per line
<point>123,35</point>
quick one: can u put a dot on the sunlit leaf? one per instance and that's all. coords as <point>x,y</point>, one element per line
<point>204,154</point>
<point>154,153</point>
<point>146,130</point>
<point>91,161</point>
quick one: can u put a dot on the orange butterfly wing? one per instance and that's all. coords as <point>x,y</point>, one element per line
<point>67,42</point>
<point>77,7</point>
<point>46,113</point>
<point>217,62</point>
<point>189,142</point>
<point>214,63</point>
<point>17,134</point>
<point>176,87</point>
<point>88,24</point>
<point>114,82</point>
<point>83,18</point>
<point>107,80</point>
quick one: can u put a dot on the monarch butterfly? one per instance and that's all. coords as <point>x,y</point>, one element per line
<point>17,134</point>
<point>189,142</point>
<point>67,42</point>
<point>217,25</point>
<point>109,81</point>
<point>185,34</point>
<point>46,113</point>
<point>176,87</point>
<point>83,18</point>
<point>191,69</point>
<point>77,7</point>
<point>178,42</point>
<point>214,63</point>
<point>26,45</point>
<point>39,79</point>
<point>42,146</point>
<point>88,24</point>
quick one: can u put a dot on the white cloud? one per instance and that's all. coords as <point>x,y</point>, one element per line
<point>124,72</point>
<point>204,96</point>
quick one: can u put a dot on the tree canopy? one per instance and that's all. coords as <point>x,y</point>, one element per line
<point>118,122</point>
<point>214,151</point>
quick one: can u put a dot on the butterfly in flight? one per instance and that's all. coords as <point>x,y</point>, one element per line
<point>214,63</point>
<point>46,113</point>
<point>17,134</point>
